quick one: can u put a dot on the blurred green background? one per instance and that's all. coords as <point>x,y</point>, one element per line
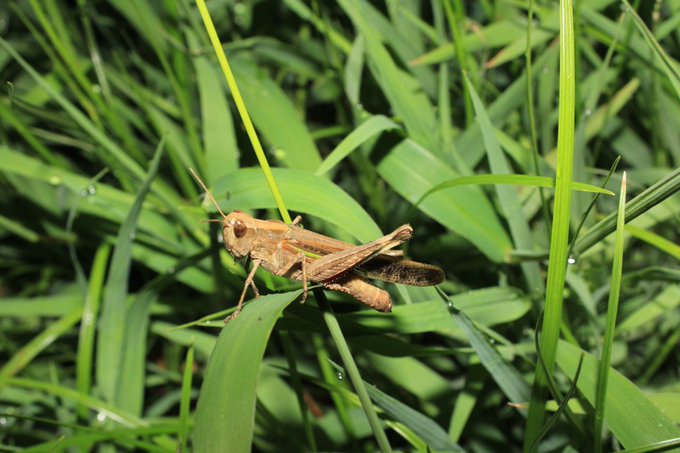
<point>374,114</point>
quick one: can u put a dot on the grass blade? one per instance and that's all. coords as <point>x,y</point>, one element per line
<point>559,240</point>
<point>112,324</point>
<point>612,311</point>
<point>225,414</point>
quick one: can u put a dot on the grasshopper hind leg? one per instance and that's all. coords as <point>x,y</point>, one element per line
<point>376,298</point>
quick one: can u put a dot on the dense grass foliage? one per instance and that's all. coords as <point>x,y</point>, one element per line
<point>533,146</point>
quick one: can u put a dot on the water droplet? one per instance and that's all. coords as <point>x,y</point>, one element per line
<point>3,421</point>
<point>83,193</point>
<point>132,235</point>
<point>55,180</point>
<point>588,112</point>
<point>492,340</point>
<point>546,70</point>
<point>91,190</point>
<point>88,319</point>
<point>340,376</point>
<point>101,417</point>
<point>279,154</point>
<point>96,89</point>
<point>171,270</point>
<point>571,260</point>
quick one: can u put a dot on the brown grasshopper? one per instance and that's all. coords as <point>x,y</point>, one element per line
<point>293,252</point>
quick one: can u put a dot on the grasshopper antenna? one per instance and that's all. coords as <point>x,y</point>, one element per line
<point>206,191</point>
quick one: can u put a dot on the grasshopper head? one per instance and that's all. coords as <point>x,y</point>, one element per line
<point>239,233</point>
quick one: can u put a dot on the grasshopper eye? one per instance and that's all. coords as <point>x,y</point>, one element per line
<point>240,229</point>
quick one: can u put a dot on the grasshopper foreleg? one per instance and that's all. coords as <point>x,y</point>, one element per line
<point>249,282</point>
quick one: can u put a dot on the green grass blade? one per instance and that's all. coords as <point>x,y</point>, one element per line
<point>630,415</point>
<point>507,377</point>
<point>225,414</point>
<point>430,432</point>
<point>305,193</point>
<point>669,66</point>
<point>243,111</point>
<point>18,229</point>
<point>106,410</point>
<point>400,88</point>
<point>185,404</point>
<point>21,358</point>
<point>219,139</point>
<point>518,180</point>
<point>655,240</point>
<point>612,311</point>
<point>411,171</point>
<point>352,371</point>
<point>507,197</point>
<point>372,126</point>
<point>559,245</point>
<point>646,200</point>
<point>88,326</point>
<point>276,117</point>
<point>112,324</point>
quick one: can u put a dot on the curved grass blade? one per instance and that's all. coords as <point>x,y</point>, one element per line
<point>412,170</point>
<point>645,201</point>
<point>430,432</point>
<point>506,376</point>
<point>304,192</point>
<point>225,415</point>
<point>518,180</point>
<point>372,126</point>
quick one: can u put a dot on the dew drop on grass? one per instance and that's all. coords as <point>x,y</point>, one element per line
<point>3,421</point>
<point>101,417</point>
<point>55,180</point>
<point>340,376</point>
<point>132,235</point>
<point>571,260</point>
<point>91,190</point>
<point>279,154</point>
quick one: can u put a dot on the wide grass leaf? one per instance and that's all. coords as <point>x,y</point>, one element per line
<point>402,90</point>
<point>275,117</point>
<point>411,170</point>
<point>634,420</point>
<point>303,192</point>
<point>225,415</point>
